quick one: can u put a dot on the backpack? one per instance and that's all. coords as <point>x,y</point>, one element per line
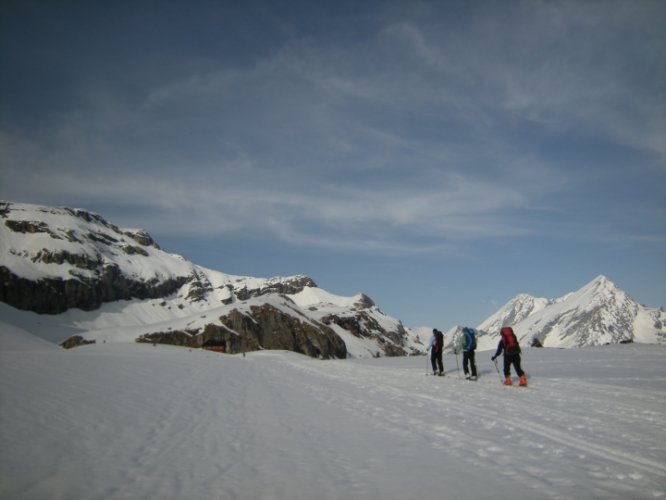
<point>439,340</point>
<point>470,339</point>
<point>510,341</point>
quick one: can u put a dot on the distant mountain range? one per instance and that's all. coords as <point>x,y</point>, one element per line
<point>70,276</point>
<point>597,314</point>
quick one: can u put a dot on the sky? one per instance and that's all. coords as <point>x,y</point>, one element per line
<point>440,157</point>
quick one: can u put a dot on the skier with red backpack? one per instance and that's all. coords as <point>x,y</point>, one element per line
<point>436,347</point>
<point>509,344</point>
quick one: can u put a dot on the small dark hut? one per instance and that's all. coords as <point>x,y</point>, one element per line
<point>215,345</point>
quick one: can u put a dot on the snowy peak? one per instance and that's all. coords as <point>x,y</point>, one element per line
<point>601,293</point>
<point>600,287</point>
<point>598,313</point>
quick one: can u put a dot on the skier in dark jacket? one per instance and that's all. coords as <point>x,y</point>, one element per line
<point>509,344</point>
<point>467,344</point>
<point>436,347</point>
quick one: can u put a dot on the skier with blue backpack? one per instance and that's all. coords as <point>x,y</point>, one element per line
<point>467,345</point>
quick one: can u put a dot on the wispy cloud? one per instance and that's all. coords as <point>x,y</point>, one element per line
<point>416,134</point>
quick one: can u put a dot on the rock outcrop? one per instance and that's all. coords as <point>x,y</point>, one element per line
<point>283,287</point>
<point>363,325</point>
<point>57,295</point>
<point>266,327</point>
<point>75,341</point>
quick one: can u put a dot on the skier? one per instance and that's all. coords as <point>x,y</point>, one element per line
<point>467,344</point>
<point>509,344</point>
<point>436,347</point>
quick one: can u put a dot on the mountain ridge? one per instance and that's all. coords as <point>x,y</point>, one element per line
<point>113,284</point>
<point>598,313</point>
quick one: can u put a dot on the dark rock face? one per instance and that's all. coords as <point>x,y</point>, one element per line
<point>271,328</point>
<point>362,325</point>
<point>24,226</point>
<point>265,328</point>
<point>199,287</point>
<point>82,261</point>
<point>75,341</point>
<point>134,250</point>
<point>282,287</point>
<point>175,337</point>
<point>142,238</point>
<point>54,296</point>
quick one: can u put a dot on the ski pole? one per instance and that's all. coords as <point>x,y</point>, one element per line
<point>497,368</point>
<point>426,360</point>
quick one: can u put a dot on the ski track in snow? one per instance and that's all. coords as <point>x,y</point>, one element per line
<point>136,421</point>
<point>541,432</point>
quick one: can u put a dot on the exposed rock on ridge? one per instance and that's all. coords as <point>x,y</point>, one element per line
<point>290,286</point>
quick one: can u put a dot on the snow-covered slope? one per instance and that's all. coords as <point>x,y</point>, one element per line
<point>514,311</point>
<point>597,314</point>
<point>118,421</point>
<point>39,242</point>
<point>14,338</point>
<point>110,284</point>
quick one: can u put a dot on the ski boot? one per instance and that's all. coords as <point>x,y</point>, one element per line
<point>507,380</point>
<point>523,381</point>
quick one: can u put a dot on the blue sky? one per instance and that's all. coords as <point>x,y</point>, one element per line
<point>440,156</point>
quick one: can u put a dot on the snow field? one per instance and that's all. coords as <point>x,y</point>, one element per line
<point>136,421</point>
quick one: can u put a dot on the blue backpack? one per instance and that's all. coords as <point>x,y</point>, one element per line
<point>470,339</point>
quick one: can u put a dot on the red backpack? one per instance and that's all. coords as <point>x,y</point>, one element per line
<point>509,341</point>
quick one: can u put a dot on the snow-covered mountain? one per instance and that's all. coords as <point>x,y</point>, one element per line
<point>597,314</point>
<point>95,280</point>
